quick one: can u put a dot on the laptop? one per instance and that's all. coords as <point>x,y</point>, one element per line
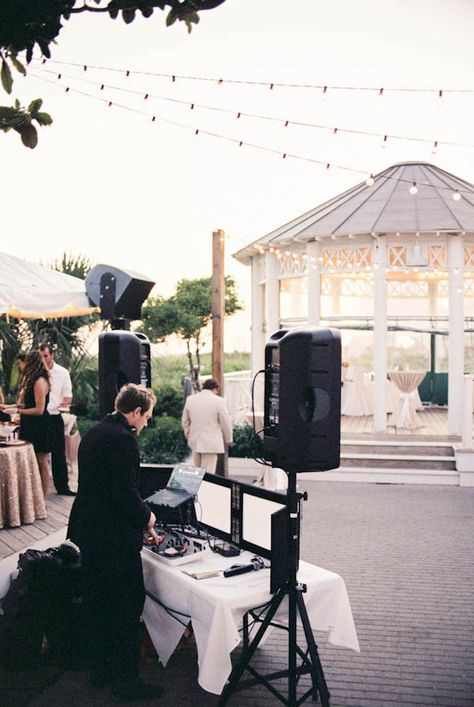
<point>182,486</point>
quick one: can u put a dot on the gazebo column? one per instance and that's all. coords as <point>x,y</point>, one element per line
<point>257,319</point>
<point>455,253</point>
<point>272,294</point>
<point>379,259</point>
<point>314,283</point>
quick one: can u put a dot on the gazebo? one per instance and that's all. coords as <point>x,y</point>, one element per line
<point>395,252</point>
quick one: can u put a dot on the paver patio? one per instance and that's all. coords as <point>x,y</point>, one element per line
<point>405,553</point>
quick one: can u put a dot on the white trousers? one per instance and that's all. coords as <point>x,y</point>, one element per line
<point>208,461</point>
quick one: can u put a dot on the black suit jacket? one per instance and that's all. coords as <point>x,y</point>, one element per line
<point>108,514</point>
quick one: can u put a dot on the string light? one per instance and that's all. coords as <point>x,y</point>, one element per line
<point>238,114</point>
<point>369,180</point>
<point>270,84</point>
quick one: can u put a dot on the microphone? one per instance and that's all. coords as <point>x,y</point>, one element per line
<point>256,563</point>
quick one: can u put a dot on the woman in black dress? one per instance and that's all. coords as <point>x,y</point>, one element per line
<point>32,406</point>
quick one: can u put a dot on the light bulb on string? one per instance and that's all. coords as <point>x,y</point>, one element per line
<point>370,181</point>
<point>324,93</point>
<point>457,196</point>
<point>434,149</point>
<point>413,189</point>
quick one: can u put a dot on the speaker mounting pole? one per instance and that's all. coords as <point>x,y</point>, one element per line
<point>310,661</point>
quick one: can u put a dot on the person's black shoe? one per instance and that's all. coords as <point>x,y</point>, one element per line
<point>66,492</point>
<point>136,691</point>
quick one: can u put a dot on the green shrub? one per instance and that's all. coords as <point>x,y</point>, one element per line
<point>169,401</point>
<point>172,368</point>
<point>85,387</point>
<point>164,443</point>
<point>84,424</point>
<point>246,443</point>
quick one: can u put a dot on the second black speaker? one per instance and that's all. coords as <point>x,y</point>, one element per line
<point>302,420</point>
<point>124,357</point>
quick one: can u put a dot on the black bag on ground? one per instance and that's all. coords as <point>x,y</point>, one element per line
<point>44,601</point>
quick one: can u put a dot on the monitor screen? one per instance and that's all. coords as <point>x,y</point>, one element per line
<point>257,519</point>
<point>186,477</point>
<point>213,507</point>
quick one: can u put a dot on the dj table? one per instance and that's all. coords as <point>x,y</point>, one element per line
<point>217,606</point>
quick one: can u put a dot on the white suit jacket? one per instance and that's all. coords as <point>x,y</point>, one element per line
<point>206,423</point>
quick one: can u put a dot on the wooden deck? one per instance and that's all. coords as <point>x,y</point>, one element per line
<point>433,419</point>
<point>14,540</point>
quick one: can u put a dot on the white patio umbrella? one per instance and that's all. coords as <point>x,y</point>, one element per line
<point>29,291</point>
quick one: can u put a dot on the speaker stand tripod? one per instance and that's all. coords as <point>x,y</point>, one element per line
<point>309,658</point>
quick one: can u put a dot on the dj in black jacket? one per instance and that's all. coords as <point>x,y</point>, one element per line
<point>107,522</point>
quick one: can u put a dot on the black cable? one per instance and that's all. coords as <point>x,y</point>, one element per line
<point>262,370</point>
<point>256,434</point>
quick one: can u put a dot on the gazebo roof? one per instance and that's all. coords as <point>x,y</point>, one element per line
<point>387,206</point>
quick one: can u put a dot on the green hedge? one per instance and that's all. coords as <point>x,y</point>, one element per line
<point>246,443</point>
<point>169,401</point>
<point>164,443</point>
<point>84,424</point>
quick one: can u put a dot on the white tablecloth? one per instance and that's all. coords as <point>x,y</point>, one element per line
<point>217,605</point>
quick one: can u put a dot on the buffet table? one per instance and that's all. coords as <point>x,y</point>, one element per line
<point>216,606</point>
<point>21,495</point>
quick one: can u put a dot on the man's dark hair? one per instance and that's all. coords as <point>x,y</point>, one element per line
<point>210,384</point>
<point>46,347</point>
<point>132,396</point>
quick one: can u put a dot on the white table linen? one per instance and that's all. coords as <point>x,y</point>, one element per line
<point>216,607</point>
<point>356,398</point>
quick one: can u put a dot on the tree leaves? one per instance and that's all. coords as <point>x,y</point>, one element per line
<point>18,65</point>
<point>25,24</point>
<point>44,118</point>
<point>6,77</point>
<point>35,105</point>
<point>29,135</point>
<point>20,119</point>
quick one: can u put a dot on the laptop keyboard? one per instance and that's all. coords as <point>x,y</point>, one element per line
<point>167,498</point>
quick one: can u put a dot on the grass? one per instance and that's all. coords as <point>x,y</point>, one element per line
<point>170,369</point>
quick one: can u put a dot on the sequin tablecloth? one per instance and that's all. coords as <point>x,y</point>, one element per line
<point>21,495</point>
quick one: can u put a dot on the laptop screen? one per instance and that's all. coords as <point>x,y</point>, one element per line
<point>186,477</point>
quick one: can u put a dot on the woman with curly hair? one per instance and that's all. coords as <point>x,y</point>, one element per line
<point>32,406</point>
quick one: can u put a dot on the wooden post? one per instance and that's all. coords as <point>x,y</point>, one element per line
<point>218,307</point>
<point>218,314</point>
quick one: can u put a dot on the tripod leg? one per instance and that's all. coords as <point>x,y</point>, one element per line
<point>317,674</point>
<point>292,682</point>
<point>246,656</point>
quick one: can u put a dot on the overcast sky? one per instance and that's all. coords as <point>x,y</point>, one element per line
<point>111,184</point>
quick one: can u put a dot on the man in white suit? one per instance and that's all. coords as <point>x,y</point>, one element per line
<point>207,425</point>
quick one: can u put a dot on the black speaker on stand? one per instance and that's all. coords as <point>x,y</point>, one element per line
<point>124,356</point>
<point>301,433</point>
